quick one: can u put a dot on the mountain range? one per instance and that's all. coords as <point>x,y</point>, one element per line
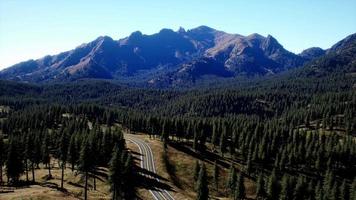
<point>168,58</point>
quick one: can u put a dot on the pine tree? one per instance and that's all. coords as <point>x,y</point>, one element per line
<point>216,176</point>
<point>344,193</point>
<point>115,177</point>
<point>328,185</point>
<point>334,193</point>
<point>202,185</point>
<point>260,190</point>
<point>2,157</point>
<point>273,186</point>
<point>352,193</point>
<point>85,163</point>
<point>14,165</point>
<point>232,179</point>
<point>318,192</point>
<point>286,188</point>
<point>300,190</point>
<point>248,164</point>
<point>239,188</point>
<point>214,135</point>
<point>46,159</point>
<point>195,140</point>
<point>63,152</point>
<point>73,151</point>
<point>128,176</point>
<point>222,144</point>
<point>28,152</point>
<point>196,170</point>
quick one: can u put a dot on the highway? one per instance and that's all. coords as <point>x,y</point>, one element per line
<point>147,162</point>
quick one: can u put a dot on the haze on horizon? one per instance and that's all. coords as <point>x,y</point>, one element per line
<point>30,30</point>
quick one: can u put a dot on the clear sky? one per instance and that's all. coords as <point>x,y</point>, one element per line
<point>33,29</point>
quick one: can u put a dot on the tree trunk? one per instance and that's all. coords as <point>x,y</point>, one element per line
<point>26,170</point>
<point>62,175</point>
<point>114,193</point>
<point>0,174</point>
<point>86,186</point>
<point>72,166</point>
<point>94,182</point>
<point>49,170</point>
<point>33,172</point>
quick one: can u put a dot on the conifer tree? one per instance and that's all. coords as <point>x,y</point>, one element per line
<point>214,135</point>
<point>2,157</point>
<point>195,140</point>
<point>115,177</point>
<point>216,176</point>
<point>129,177</point>
<point>260,190</point>
<point>328,185</point>
<point>202,185</point>
<point>344,192</point>
<point>273,186</point>
<point>73,151</point>
<point>287,188</point>
<point>300,190</point>
<point>46,159</point>
<point>222,144</point>
<point>232,179</point>
<point>28,152</point>
<point>196,170</point>
<point>14,164</point>
<point>85,164</point>
<point>239,188</point>
<point>352,193</point>
<point>63,152</point>
<point>318,192</point>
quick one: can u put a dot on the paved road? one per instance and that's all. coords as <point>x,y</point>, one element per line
<point>147,162</point>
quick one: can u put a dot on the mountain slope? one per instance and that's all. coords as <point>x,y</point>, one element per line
<point>164,58</point>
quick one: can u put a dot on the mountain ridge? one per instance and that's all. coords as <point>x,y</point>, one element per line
<point>167,57</point>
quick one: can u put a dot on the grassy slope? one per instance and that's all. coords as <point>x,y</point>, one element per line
<point>182,179</point>
<point>50,189</point>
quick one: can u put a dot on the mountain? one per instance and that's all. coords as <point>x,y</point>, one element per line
<point>312,53</point>
<point>165,58</point>
<point>340,58</point>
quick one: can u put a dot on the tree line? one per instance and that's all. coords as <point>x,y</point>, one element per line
<point>73,145</point>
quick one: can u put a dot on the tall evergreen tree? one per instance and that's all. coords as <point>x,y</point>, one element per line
<point>129,176</point>
<point>2,157</point>
<point>287,188</point>
<point>202,184</point>
<point>232,179</point>
<point>115,176</point>
<point>260,190</point>
<point>46,158</point>
<point>300,190</point>
<point>85,164</point>
<point>196,170</point>
<point>63,152</point>
<point>344,192</point>
<point>14,164</point>
<point>216,176</point>
<point>73,151</point>
<point>353,190</point>
<point>222,144</point>
<point>273,186</point>
<point>239,188</point>
<point>318,192</point>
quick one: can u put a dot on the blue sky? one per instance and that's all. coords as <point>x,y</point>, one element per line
<point>32,29</point>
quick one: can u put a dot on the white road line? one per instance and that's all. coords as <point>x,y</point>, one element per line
<point>150,166</point>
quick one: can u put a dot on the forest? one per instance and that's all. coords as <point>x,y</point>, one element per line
<point>293,135</point>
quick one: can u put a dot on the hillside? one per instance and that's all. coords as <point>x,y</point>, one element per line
<point>164,58</point>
